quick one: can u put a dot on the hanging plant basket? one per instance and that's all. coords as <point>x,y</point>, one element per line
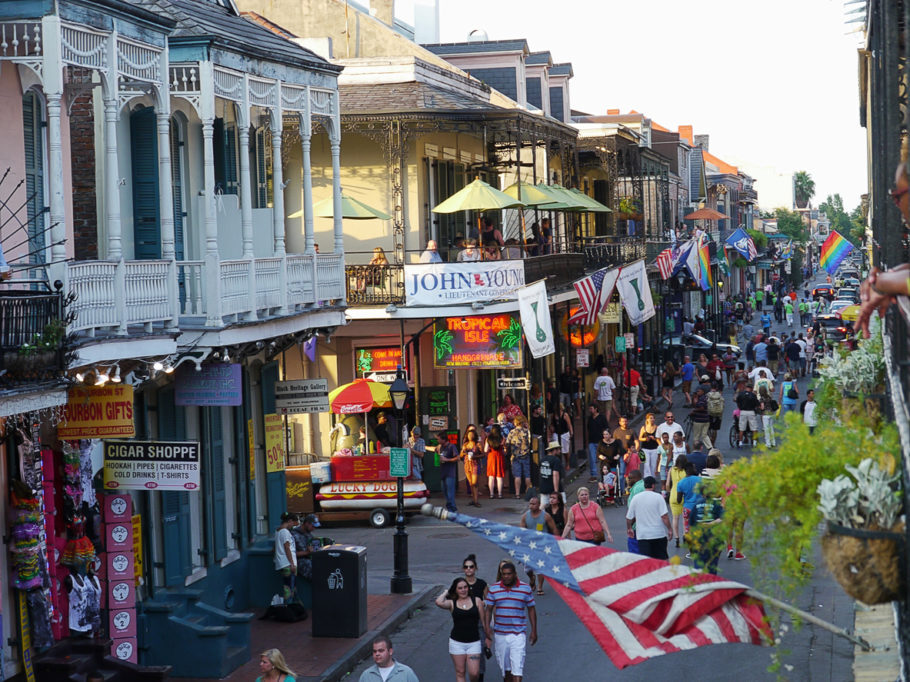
<point>866,563</point>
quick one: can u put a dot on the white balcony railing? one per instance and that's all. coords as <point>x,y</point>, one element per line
<point>115,295</point>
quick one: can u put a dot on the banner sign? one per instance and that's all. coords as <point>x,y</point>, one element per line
<point>487,341</point>
<point>165,465</point>
<point>215,385</point>
<point>381,360</point>
<point>433,284</point>
<point>274,443</point>
<point>535,318</point>
<point>98,412</point>
<point>302,396</point>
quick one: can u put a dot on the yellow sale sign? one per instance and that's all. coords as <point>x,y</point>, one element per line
<point>274,443</point>
<point>98,412</point>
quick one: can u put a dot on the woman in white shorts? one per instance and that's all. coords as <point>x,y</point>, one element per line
<point>464,641</point>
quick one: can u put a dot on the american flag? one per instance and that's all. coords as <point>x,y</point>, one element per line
<point>665,263</point>
<point>636,607</point>
<point>594,293</point>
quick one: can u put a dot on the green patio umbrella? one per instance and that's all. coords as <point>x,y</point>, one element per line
<point>593,204</point>
<point>563,200</point>
<point>528,194</point>
<point>351,209</point>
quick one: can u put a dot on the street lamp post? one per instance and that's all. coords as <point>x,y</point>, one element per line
<point>401,581</point>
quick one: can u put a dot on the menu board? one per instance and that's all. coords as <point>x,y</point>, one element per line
<point>482,341</point>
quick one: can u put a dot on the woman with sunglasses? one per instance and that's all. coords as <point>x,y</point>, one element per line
<point>478,587</point>
<point>465,644</point>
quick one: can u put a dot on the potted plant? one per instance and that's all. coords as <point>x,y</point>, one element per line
<point>40,352</point>
<point>865,538</point>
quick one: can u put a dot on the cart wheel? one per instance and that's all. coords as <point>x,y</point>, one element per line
<point>379,518</point>
<point>734,435</point>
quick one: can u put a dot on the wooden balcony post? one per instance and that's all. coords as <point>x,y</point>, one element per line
<point>121,302</point>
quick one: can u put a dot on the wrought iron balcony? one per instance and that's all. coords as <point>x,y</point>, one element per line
<point>606,252</point>
<point>32,336</point>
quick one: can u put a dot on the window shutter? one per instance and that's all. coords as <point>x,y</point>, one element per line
<point>34,177</point>
<point>275,482</point>
<point>177,188</point>
<point>175,507</point>
<point>146,206</point>
<point>216,466</point>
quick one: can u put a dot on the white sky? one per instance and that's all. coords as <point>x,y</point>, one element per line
<point>774,83</point>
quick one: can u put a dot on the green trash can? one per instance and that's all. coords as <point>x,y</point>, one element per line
<point>431,475</point>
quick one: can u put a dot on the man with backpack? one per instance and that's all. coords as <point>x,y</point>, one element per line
<point>715,401</point>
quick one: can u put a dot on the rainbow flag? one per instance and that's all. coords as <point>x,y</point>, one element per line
<point>834,250</point>
<point>704,260</point>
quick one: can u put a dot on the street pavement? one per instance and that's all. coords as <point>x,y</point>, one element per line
<point>565,650</point>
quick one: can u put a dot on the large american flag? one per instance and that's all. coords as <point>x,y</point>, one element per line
<point>665,263</point>
<point>636,607</point>
<point>594,293</point>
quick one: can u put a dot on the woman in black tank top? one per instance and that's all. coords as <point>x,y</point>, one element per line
<point>467,616</point>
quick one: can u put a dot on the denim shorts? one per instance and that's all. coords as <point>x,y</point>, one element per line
<point>521,467</point>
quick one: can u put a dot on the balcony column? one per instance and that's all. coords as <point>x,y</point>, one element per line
<point>277,180</point>
<point>305,137</point>
<point>166,196</point>
<point>335,144</point>
<point>278,244</point>
<point>53,91</point>
<point>246,196</point>
<point>112,179</point>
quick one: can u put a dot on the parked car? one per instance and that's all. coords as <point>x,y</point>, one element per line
<point>852,282</point>
<point>675,346</point>
<point>838,304</point>
<point>823,290</point>
<point>848,294</point>
<point>834,327</point>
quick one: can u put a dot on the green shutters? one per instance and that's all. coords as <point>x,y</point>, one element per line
<point>146,205</point>
<point>224,142</point>
<point>34,177</point>
<point>177,189</point>
<point>275,485</point>
<point>175,507</point>
<point>214,464</point>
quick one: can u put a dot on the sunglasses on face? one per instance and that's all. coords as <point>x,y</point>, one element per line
<point>467,566</point>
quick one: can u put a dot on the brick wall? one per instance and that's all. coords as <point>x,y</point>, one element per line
<point>85,209</point>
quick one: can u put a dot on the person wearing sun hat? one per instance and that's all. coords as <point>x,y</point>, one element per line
<point>551,473</point>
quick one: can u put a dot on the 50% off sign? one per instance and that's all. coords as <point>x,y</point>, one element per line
<point>275,455</point>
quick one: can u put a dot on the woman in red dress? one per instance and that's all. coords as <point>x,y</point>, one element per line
<point>496,466</point>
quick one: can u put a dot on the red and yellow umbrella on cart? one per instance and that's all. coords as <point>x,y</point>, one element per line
<point>361,395</point>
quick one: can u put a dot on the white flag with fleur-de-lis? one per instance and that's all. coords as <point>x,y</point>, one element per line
<point>635,292</point>
<point>535,319</point>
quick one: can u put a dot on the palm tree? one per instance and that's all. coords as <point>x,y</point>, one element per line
<point>803,188</point>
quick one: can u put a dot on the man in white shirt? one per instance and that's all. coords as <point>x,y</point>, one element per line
<point>761,372</point>
<point>648,511</point>
<point>688,327</point>
<point>669,426</point>
<point>470,252</point>
<point>431,253</point>
<point>604,386</point>
<point>810,418</point>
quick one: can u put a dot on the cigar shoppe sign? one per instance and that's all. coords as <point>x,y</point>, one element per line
<point>160,465</point>
<point>482,341</point>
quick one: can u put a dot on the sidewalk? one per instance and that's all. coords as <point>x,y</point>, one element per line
<point>327,658</point>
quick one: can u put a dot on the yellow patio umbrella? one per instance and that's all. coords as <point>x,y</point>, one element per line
<point>477,196</point>
<point>351,209</point>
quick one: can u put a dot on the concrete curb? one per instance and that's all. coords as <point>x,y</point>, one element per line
<point>364,646</point>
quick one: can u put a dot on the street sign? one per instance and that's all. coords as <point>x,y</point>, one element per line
<point>582,357</point>
<point>620,344</point>
<point>611,313</point>
<point>381,377</point>
<point>302,396</point>
<point>630,340</point>
<point>512,384</point>
<point>399,462</point>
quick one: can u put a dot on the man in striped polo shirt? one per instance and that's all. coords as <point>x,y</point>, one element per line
<point>506,601</point>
